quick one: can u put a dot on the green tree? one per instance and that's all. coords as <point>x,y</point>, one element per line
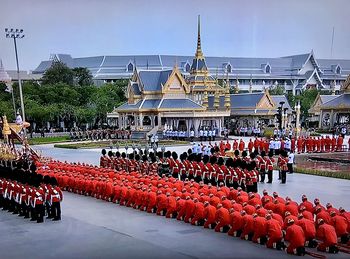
<point>82,76</point>
<point>277,90</point>
<point>107,97</point>
<point>58,73</point>
<point>6,105</point>
<point>306,99</point>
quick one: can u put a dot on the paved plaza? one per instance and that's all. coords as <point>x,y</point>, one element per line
<point>92,228</point>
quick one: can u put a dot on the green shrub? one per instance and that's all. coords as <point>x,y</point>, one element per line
<point>268,132</point>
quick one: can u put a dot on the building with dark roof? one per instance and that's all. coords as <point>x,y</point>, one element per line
<point>161,99</point>
<point>170,98</point>
<point>296,73</point>
<point>335,109</point>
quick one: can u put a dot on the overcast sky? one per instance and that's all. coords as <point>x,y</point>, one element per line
<point>240,28</point>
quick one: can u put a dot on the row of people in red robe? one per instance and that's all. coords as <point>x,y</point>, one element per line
<point>261,219</point>
<point>320,144</point>
<point>301,144</point>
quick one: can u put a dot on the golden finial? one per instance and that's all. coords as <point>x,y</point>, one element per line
<point>199,53</point>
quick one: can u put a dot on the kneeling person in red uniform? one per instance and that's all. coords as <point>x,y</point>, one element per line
<point>296,238</point>
<point>326,233</point>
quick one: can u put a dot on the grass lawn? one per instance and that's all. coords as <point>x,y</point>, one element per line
<point>48,140</point>
<point>121,143</point>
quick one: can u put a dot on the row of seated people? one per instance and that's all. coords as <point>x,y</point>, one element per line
<point>225,209</point>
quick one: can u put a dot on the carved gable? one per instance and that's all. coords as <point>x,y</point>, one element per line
<point>265,102</point>
<point>175,83</point>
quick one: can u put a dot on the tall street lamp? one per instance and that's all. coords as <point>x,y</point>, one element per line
<point>17,34</point>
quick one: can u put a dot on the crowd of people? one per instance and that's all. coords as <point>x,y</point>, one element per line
<point>241,170</point>
<point>28,194</point>
<point>276,145</point>
<point>98,134</point>
<point>269,220</point>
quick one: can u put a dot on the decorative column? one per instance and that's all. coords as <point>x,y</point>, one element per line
<point>320,120</point>
<point>297,110</point>
<point>196,125</point>
<point>141,120</point>
<point>331,119</point>
<point>152,121</point>
<point>160,121</point>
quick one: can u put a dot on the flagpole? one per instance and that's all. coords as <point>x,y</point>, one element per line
<point>13,101</point>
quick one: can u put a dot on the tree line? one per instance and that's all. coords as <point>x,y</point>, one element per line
<point>64,95</point>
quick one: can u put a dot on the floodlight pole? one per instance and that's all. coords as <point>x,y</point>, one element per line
<point>16,33</point>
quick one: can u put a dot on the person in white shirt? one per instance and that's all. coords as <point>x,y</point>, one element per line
<point>205,134</point>
<point>343,131</point>
<point>199,149</point>
<point>275,132</point>
<point>156,139</point>
<point>210,133</point>
<point>192,135</point>
<point>213,132</point>
<point>287,145</point>
<point>194,148</point>
<point>272,145</point>
<point>290,162</point>
<point>19,120</point>
<point>258,131</point>
<point>277,146</point>
<point>201,135</point>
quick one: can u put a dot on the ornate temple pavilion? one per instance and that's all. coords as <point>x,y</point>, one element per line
<point>336,111</point>
<point>159,99</point>
<point>258,109</point>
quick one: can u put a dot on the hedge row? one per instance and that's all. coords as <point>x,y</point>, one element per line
<point>339,174</point>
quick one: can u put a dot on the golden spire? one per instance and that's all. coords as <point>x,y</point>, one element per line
<point>199,53</point>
